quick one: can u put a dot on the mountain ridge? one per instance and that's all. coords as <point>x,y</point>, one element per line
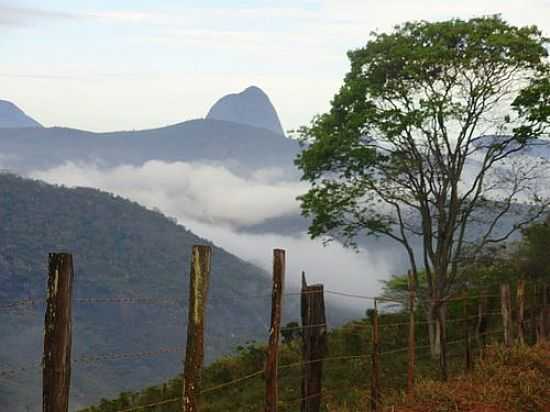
<point>193,140</point>
<point>12,116</point>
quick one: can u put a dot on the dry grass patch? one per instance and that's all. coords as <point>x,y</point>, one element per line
<point>506,380</point>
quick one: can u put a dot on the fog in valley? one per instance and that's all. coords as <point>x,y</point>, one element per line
<point>220,205</point>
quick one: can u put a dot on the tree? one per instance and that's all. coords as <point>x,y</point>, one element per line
<point>424,144</point>
<point>533,252</point>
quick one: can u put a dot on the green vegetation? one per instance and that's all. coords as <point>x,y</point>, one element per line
<point>414,144</point>
<point>120,249</point>
<point>346,375</point>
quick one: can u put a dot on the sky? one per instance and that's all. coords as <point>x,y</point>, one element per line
<point>123,65</point>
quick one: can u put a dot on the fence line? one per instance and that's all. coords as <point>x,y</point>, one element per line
<point>537,307</point>
<point>151,405</point>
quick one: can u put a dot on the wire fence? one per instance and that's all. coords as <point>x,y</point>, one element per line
<point>466,332</point>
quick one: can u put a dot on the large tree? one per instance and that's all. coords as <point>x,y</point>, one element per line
<point>425,141</point>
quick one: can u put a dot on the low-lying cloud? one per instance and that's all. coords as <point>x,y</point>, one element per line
<point>216,204</point>
<point>190,191</point>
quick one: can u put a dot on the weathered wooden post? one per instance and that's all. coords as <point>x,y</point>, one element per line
<point>440,319</point>
<point>412,334</point>
<point>520,294</point>
<point>194,353</point>
<point>545,314</point>
<point>272,362</point>
<point>481,327</point>
<point>56,361</point>
<point>534,314</point>
<point>375,397</point>
<point>539,314</point>
<point>467,339</point>
<point>314,333</point>
<point>506,311</point>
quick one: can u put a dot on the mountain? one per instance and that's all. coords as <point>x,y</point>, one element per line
<point>12,116</point>
<point>120,249</point>
<point>251,107</point>
<point>236,146</point>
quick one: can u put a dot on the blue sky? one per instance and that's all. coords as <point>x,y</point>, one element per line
<point>111,65</point>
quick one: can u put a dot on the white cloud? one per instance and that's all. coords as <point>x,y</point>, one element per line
<point>190,191</point>
<point>213,203</point>
<point>14,15</point>
<point>338,268</point>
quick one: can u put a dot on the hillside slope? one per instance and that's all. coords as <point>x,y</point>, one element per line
<point>119,249</point>
<point>507,380</point>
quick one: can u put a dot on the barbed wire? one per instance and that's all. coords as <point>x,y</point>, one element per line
<point>26,304</point>
<point>19,369</point>
<point>20,303</point>
<point>373,298</point>
<point>233,382</point>
<point>126,355</point>
<point>151,405</point>
<point>131,300</point>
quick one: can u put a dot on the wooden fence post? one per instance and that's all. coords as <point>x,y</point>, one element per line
<point>272,362</point>
<point>535,311</point>
<point>375,377</point>
<point>545,314</point>
<point>412,335</point>
<point>539,313</point>
<point>467,338</point>
<point>520,294</point>
<point>194,353</point>
<point>506,311</point>
<point>56,361</point>
<point>481,327</point>
<point>440,319</point>
<point>314,332</point>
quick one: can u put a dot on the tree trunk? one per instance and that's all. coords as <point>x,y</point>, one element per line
<point>441,320</point>
<point>434,328</point>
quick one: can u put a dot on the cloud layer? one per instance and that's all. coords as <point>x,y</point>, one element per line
<point>190,191</point>
<point>213,202</point>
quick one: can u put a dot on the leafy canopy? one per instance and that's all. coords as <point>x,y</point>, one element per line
<point>411,145</point>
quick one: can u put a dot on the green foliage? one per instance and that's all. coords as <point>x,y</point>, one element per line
<point>533,256</point>
<point>418,104</point>
<point>120,249</point>
<point>346,381</point>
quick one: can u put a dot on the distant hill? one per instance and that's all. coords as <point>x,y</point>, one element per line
<point>237,146</point>
<point>120,249</point>
<point>12,116</point>
<point>251,107</point>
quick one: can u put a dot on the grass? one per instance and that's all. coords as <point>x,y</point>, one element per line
<point>505,380</point>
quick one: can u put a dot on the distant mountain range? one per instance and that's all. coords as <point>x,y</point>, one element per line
<point>229,136</point>
<point>13,116</point>
<point>237,146</point>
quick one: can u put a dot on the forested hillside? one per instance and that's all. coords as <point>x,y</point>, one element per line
<point>120,249</point>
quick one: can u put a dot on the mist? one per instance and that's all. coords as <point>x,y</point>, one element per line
<point>216,204</point>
